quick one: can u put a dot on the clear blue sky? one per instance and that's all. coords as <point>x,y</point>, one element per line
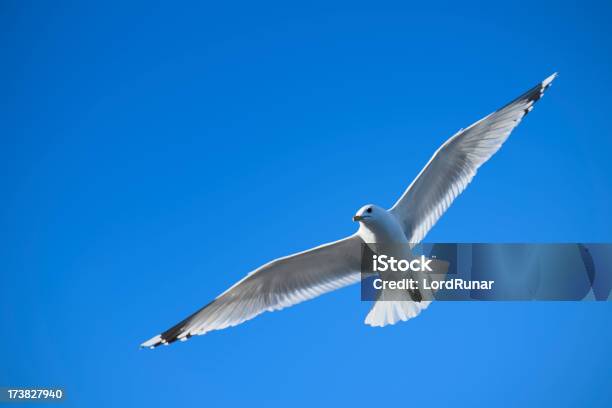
<point>142,145</point>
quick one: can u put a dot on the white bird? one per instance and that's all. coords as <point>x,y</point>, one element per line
<point>295,278</point>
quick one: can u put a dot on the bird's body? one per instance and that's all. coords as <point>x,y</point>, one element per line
<point>292,279</point>
<point>383,233</point>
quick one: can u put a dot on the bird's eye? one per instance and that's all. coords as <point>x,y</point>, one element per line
<point>369,210</point>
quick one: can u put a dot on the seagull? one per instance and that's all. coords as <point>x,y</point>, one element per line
<point>293,279</point>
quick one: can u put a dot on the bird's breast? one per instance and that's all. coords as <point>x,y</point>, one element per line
<point>389,232</point>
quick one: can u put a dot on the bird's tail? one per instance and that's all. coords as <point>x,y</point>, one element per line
<point>386,312</point>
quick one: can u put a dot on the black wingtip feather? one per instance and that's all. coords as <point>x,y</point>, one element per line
<point>172,334</point>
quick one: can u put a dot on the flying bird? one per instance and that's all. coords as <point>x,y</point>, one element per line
<point>295,278</point>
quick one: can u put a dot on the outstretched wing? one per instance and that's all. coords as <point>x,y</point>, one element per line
<point>455,163</point>
<point>278,284</point>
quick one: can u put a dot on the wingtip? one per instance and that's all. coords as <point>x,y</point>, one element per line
<point>161,339</point>
<point>152,342</point>
<point>549,80</point>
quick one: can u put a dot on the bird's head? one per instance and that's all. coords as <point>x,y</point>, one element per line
<point>369,213</point>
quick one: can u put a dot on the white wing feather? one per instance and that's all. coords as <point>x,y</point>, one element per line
<point>278,284</point>
<point>455,163</point>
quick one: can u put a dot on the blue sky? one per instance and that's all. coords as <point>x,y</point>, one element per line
<point>143,146</point>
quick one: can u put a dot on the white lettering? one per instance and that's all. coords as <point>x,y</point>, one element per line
<point>383,263</point>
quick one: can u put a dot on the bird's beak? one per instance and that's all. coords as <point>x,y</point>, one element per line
<point>357,218</point>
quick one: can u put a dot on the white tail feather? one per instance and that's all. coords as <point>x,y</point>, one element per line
<point>386,312</point>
